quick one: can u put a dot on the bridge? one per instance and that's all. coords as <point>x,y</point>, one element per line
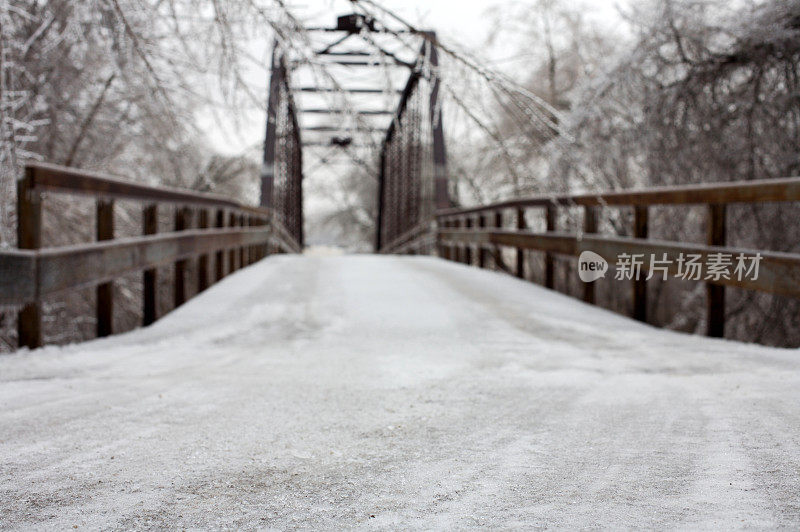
<point>428,385</point>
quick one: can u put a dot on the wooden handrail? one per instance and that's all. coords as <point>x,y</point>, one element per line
<point>462,234</point>
<point>761,191</point>
<point>34,275</point>
<point>227,232</point>
<point>65,180</point>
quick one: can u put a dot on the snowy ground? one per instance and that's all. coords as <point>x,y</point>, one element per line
<point>381,392</point>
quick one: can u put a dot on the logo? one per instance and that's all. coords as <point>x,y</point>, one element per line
<point>715,267</point>
<point>591,266</point>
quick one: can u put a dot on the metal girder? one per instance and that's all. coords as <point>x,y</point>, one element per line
<point>281,174</point>
<point>400,178</point>
<point>361,90</point>
<point>342,129</point>
<point>332,111</point>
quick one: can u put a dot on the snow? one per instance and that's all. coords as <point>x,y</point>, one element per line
<point>382,392</point>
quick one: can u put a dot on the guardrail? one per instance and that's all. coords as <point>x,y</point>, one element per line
<point>226,233</point>
<point>471,235</point>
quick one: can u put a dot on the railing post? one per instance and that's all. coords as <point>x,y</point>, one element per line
<point>444,249</point>
<point>457,257</point>
<point>439,248</point>
<point>29,236</point>
<point>481,247</point>
<point>498,224</point>
<point>251,249</point>
<point>590,215</point>
<point>715,294</point>
<point>105,291</point>
<point>520,269</point>
<point>232,251</point>
<point>640,285</point>
<point>449,248</point>
<point>202,260</point>
<point>549,270</point>
<point>242,249</point>
<point>468,247</point>
<point>219,262</point>
<point>150,279</point>
<point>265,246</point>
<point>181,223</point>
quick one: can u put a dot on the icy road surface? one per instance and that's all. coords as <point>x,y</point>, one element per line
<point>383,392</point>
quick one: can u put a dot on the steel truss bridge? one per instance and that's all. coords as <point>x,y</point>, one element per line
<point>417,211</point>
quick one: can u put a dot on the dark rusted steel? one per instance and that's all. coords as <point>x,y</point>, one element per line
<point>441,191</point>
<point>640,229</point>
<point>276,78</point>
<point>150,276</point>
<point>341,111</point>
<point>282,168</point>
<point>29,236</point>
<point>412,174</point>
<point>105,291</point>
<point>348,90</point>
<point>715,294</point>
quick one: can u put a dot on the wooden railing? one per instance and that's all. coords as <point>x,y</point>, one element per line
<point>226,234</point>
<point>472,235</point>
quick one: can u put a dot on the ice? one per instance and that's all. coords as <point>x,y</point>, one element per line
<point>382,392</point>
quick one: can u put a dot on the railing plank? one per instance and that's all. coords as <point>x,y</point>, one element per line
<point>779,273</point>
<point>759,191</point>
<point>71,267</point>
<point>72,181</point>
<point>17,277</point>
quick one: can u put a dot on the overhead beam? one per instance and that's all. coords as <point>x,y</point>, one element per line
<point>337,30</point>
<point>370,64</point>
<point>350,91</point>
<point>354,53</point>
<point>370,112</point>
<point>332,145</point>
<point>342,129</point>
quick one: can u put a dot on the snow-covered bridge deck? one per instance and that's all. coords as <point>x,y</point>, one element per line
<point>398,391</point>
